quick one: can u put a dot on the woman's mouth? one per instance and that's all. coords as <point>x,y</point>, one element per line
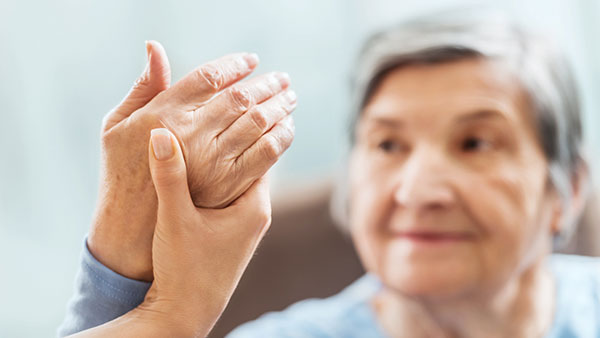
<point>434,237</point>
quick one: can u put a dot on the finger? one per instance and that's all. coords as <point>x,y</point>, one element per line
<point>224,109</point>
<point>168,170</point>
<point>261,156</point>
<point>247,129</point>
<point>155,79</point>
<point>204,82</point>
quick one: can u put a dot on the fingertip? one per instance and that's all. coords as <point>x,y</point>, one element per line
<point>160,70</point>
<point>154,45</point>
<point>148,49</point>
<point>284,79</point>
<point>252,60</point>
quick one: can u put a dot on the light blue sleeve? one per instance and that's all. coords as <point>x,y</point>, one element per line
<point>346,314</point>
<point>100,296</point>
<point>577,281</point>
<point>313,318</point>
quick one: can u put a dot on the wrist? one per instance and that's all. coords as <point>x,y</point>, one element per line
<point>176,318</point>
<point>116,258</point>
<point>121,237</point>
<point>139,322</point>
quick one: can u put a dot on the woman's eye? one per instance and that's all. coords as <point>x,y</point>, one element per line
<point>389,146</point>
<point>473,144</point>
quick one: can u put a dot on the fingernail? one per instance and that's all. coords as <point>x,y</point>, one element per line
<point>161,144</point>
<point>291,96</point>
<point>284,79</point>
<point>274,83</point>
<point>251,59</point>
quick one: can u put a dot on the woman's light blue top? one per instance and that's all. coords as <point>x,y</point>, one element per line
<point>102,295</point>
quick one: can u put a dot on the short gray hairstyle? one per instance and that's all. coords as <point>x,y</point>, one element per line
<point>541,68</point>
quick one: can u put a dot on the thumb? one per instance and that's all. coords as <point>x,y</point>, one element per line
<point>169,175</point>
<point>155,78</point>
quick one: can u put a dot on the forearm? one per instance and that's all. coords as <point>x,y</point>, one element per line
<point>124,223</point>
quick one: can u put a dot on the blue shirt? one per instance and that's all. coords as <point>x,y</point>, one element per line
<point>102,295</point>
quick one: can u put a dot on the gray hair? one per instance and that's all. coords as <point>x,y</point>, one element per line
<point>541,68</point>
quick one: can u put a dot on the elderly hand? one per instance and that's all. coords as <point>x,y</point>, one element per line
<point>230,133</point>
<point>198,254</point>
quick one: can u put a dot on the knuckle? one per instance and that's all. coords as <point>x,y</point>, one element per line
<point>108,140</point>
<point>288,133</point>
<point>169,176</point>
<point>271,147</point>
<point>109,137</point>
<point>240,67</point>
<point>264,216</point>
<point>258,118</point>
<point>291,125</point>
<point>240,97</point>
<point>273,84</point>
<point>282,110</point>
<point>142,81</point>
<point>211,75</point>
<point>261,214</point>
<point>145,119</point>
<point>286,105</point>
<point>106,120</point>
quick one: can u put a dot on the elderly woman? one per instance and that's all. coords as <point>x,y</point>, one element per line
<point>466,170</point>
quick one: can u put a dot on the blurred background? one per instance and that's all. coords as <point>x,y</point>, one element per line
<point>65,63</point>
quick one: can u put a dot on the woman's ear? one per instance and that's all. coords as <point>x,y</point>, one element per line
<point>580,183</point>
<point>557,211</point>
<point>569,213</point>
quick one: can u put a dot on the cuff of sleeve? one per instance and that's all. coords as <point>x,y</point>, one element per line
<point>112,284</point>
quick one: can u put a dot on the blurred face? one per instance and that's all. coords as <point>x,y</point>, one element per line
<point>449,190</point>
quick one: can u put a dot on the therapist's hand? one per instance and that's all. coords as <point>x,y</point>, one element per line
<point>230,133</point>
<point>198,254</point>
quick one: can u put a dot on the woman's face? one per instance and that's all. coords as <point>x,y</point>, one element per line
<point>449,185</point>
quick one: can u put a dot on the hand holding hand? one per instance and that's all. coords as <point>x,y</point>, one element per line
<point>198,254</point>
<point>230,133</point>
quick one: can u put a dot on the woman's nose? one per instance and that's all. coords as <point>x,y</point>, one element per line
<point>424,182</point>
